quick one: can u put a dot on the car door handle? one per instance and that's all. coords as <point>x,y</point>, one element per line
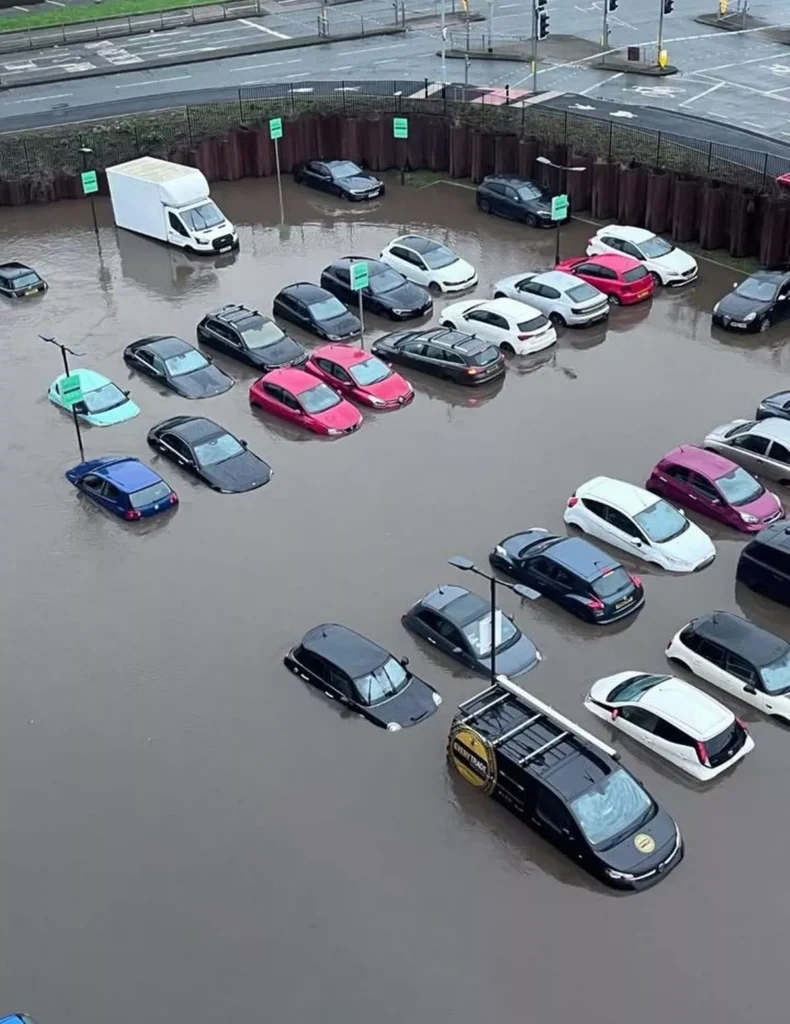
<point>431,641</point>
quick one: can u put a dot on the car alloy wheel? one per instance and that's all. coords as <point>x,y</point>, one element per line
<point>448,324</point>
<point>507,348</point>
<point>484,206</point>
<point>434,288</point>
<point>557,320</point>
<point>614,300</point>
<point>656,279</point>
<point>531,220</point>
<point>765,324</point>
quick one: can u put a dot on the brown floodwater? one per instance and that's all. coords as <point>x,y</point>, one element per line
<point>189,834</point>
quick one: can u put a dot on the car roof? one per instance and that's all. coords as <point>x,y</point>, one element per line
<point>466,343</point>
<point>512,179</point>
<point>772,276</point>
<point>556,279</point>
<point>508,307</point>
<point>419,243</point>
<point>777,535</point>
<point>614,260</point>
<point>233,312</point>
<point>337,163</point>
<point>343,355</point>
<point>90,380</point>
<point>754,644</point>
<point>459,605</point>
<point>14,269</point>
<point>374,266</point>
<point>624,231</point>
<point>581,557</point>
<point>197,429</point>
<point>292,379</point>
<point>774,428</point>
<point>307,292</point>
<point>693,457</point>
<point>350,651</point>
<point>627,497</point>
<point>165,346</point>
<point>129,475</point>
<point>687,707</point>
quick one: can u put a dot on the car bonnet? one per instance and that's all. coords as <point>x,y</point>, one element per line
<point>209,380</point>
<point>241,473</point>
<point>643,849</point>
<point>411,705</point>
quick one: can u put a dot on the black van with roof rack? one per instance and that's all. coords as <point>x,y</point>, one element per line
<point>764,564</point>
<point>564,783</point>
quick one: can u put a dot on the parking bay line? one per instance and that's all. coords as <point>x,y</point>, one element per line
<point>154,81</point>
<point>263,28</point>
<point>372,49</point>
<point>41,99</point>
<point>699,95</point>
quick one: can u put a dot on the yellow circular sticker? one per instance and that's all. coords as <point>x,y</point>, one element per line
<point>644,843</point>
<point>473,758</point>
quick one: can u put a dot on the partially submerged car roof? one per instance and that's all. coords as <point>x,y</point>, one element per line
<point>756,645</point>
<point>351,651</point>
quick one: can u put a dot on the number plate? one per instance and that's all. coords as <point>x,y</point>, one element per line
<point>31,291</point>
<point>623,603</point>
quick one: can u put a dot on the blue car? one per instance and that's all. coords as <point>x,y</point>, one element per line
<point>124,486</point>
<point>17,1018</point>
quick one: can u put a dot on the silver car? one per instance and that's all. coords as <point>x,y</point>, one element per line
<point>761,446</point>
<point>562,297</point>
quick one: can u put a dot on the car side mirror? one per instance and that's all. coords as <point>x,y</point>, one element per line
<point>80,408</point>
<point>457,650</point>
<point>404,662</point>
<point>749,688</point>
<point>242,442</point>
<point>126,392</point>
<point>715,501</point>
<point>637,542</point>
<point>735,284</point>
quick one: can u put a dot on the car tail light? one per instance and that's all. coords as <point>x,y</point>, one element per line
<point>702,754</point>
<point>573,500</point>
<point>524,337</point>
<point>615,714</point>
<point>636,580</point>
<point>474,370</point>
<point>173,499</point>
<point>595,604</point>
<point>132,513</point>
<point>742,724</point>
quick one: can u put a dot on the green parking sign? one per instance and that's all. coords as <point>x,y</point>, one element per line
<point>89,182</point>
<point>400,127</point>
<point>71,390</point>
<point>360,276</point>
<point>275,128</point>
<point>559,207</point>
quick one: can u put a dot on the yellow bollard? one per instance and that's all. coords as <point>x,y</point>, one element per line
<point>663,59</point>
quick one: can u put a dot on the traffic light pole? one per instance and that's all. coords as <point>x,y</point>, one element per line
<point>605,36</point>
<point>534,46</point>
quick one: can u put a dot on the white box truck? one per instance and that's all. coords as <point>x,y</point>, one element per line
<point>169,202</point>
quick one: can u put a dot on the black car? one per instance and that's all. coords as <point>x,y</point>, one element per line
<point>572,572</point>
<point>356,672</point>
<point>177,366</point>
<point>389,293</point>
<point>339,178</point>
<point>444,353</point>
<point>316,310</point>
<point>18,280</point>
<point>774,405</point>
<point>764,564</point>
<point>517,198</point>
<point>756,303</point>
<point>250,336</point>
<point>458,622</point>
<point>565,784</point>
<point>210,452</point>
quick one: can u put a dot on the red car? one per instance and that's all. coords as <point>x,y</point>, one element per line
<point>624,279</point>
<point>361,376</point>
<point>297,396</point>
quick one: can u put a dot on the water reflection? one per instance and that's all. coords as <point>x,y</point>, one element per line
<point>167,271</point>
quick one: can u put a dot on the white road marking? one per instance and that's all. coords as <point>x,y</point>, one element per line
<point>156,81</point>
<point>371,49</point>
<point>297,75</point>
<point>754,124</point>
<point>41,99</point>
<point>254,67</point>
<point>55,3</point>
<point>600,85</point>
<point>263,28</point>
<point>737,64</point>
<point>389,60</point>
<point>25,9</point>
<point>699,95</point>
<point>346,67</point>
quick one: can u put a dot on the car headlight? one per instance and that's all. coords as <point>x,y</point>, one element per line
<point>748,518</point>
<point>749,317</point>
<point>377,402</point>
<point>393,727</point>
<point>618,875</point>
<point>436,698</point>
<point>500,551</point>
<point>716,307</point>
<point>332,432</point>
<point>401,312</point>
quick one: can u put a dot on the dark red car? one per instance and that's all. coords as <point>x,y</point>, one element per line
<point>359,375</point>
<point>622,278</point>
<point>715,487</point>
<point>299,397</point>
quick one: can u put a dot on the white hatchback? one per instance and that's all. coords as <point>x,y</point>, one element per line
<point>667,264</point>
<point>511,326</point>
<point>673,719</point>
<point>634,520</point>
<point>429,263</point>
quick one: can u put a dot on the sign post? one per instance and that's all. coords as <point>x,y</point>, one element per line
<point>400,130</point>
<point>90,186</point>
<point>360,279</point>
<point>275,134</point>
<point>559,211</point>
<point>70,388</point>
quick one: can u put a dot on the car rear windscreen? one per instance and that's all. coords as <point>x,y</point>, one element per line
<point>535,324</point>
<point>484,358</point>
<point>612,583</point>
<point>634,275</point>
<point>722,747</point>
<point>149,495</point>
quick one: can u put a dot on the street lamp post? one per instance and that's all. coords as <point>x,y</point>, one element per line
<point>566,170</point>
<point>65,352</point>
<point>467,565</point>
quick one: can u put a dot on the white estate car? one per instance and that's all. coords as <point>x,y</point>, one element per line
<point>562,297</point>
<point>667,264</point>
<point>673,719</point>
<point>510,325</point>
<point>631,518</point>
<point>429,263</point>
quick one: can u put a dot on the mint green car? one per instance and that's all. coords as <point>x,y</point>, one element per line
<point>103,403</point>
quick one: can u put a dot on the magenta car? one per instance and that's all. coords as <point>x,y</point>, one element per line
<point>715,487</point>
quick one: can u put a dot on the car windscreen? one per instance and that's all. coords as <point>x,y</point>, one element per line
<point>637,274</point>
<point>26,281</point>
<point>103,399</point>
<point>739,487</point>
<point>756,289</point>
<point>661,522</point>
<point>478,633</point>
<point>529,192</point>
<point>740,428</point>
<point>439,257</point>
<point>385,280</point>
<point>612,583</point>
<point>635,687</point>
<point>382,683</point>
<point>582,293</point>
<point>149,495</point>
<point>613,808</point>
<point>218,449</point>
<point>346,169</point>
<point>535,324</point>
<point>656,247</point>
<point>259,332</point>
<point>319,399</point>
<point>776,676</point>
<point>484,358</point>
<point>371,371</point>
<point>202,217</point>
<point>186,362</point>
<point>327,309</point>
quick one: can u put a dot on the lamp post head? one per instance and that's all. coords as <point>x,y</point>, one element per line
<point>544,160</point>
<point>578,170</point>
<point>525,592</point>
<point>464,564</point>
<point>85,149</point>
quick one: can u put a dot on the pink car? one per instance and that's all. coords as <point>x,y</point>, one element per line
<point>303,399</point>
<point>707,483</point>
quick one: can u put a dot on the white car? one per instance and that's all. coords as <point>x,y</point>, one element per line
<point>510,325</point>
<point>429,263</point>
<point>564,299</point>
<point>634,520</point>
<point>673,719</point>
<point>667,264</point>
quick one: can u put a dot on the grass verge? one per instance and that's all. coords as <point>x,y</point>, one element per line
<point>79,15</point>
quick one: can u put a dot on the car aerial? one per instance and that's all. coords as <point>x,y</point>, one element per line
<point>19,281</point>
<point>177,366</point>
<point>458,622</point>
<point>676,721</point>
<point>211,453</point>
<point>517,198</point>
<point>316,310</point>
<point>565,784</point>
<point>356,672</point>
<point>102,404</point>
<point>339,178</point>
<point>622,279</point>
<point>512,326</point>
<point>297,396</point>
<point>774,405</point>
<point>358,375</point>
<point>761,446</point>
<point>740,658</point>
<point>388,293</point>
<point>764,564</point>
<point>666,264</point>
<point>429,263</point>
<point>451,354</point>
<point>124,486</point>
<point>572,572</point>
<point>565,300</point>
<point>756,303</point>
<point>637,522</point>
<point>251,337</point>
<point>716,487</point>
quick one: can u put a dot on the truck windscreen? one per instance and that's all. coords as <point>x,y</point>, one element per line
<point>201,218</point>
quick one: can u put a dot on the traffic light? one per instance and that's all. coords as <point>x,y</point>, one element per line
<point>669,6</point>
<point>540,4</point>
<point>543,25</point>
<point>613,5</point>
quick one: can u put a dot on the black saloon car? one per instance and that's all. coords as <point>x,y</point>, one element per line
<point>444,353</point>
<point>756,303</point>
<point>774,405</point>
<point>18,280</point>
<point>764,564</point>
<point>389,293</point>
<point>355,671</point>
<point>517,198</point>
<point>458,622</point>
<point>339,178</point>
<point>251,337</point>
<point>211,453</point>
<point>177,366</point>
<point>572,572</point>
<point>316,310</point>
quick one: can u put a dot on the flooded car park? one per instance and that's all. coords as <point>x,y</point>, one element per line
<point>191,830</point>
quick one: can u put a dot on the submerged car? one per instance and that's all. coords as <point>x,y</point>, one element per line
<point>18,280</point>
<point>124,486</point>
<point>177,366</point>
<point>251,337</point>
<point>442,353</point>
<point>762,447</point>
<point>764,564</point>
<point>622,279</point>
<point>316,310</point>
<point>563,298</point>
<point>512,326</point>
<point>429,263</point>
<point>755,304</point>
<point>666,263</point>
<point>360,376</point>
<point>297,396</point>
<point>358,673</point>
<point>777,405</point>
<point>103,403</point>
<point>518,199</point>
<point>339,178</point>
<point>388,293</point>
